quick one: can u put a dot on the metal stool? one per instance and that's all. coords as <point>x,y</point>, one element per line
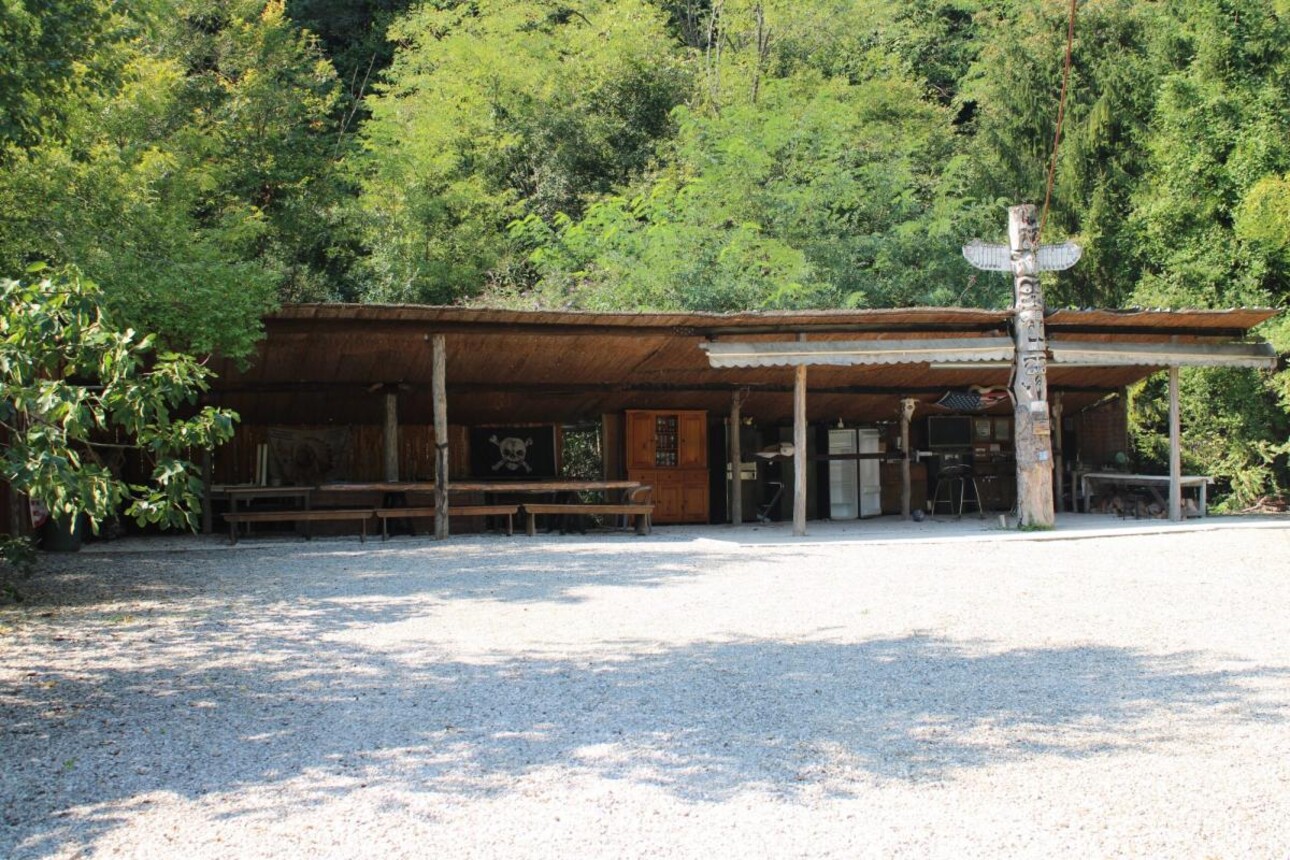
<point>764,512</point>
<point>953,480</point>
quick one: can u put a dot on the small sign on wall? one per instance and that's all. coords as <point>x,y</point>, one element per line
<point>513,453</point>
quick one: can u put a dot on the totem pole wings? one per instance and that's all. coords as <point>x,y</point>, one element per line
<point>998,258</point>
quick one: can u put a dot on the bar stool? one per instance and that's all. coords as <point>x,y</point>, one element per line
<point>952,481</point>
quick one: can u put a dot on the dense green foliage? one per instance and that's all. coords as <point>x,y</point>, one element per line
<point>511,108</point>
<point>46,55</point>
<point>193,183</point>
<point>76,392</point>
<point>204,160</point>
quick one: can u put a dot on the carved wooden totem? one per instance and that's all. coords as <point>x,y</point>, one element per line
<point>1033,434</point>
<point>1026,258</point>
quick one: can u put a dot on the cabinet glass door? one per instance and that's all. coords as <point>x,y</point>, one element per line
<point>665,440</point>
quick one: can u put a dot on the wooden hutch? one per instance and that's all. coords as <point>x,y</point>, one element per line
<point>668,449</point>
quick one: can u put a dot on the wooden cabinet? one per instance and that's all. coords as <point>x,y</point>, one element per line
<point>668,449</point>
<point>693,444</point>
<point>694,495</point>
<point>640,440</point>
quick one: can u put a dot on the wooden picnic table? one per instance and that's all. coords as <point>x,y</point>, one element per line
<point>469,486</point>
<point>394,505</point>
<point>249,493</point>
<point>627,506</point>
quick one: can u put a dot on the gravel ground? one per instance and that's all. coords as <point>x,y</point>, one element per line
<point>706,693</point>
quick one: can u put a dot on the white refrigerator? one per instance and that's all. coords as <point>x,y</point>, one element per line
<point>855,488</point>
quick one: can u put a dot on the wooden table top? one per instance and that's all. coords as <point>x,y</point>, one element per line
<point>256,491</point>
<point>1130,478</point>
<point>544,486</point>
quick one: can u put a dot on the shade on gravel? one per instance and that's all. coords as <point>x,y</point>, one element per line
<point>620,697</point>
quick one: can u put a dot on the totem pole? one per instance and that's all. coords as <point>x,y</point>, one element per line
<point>1032,435</point>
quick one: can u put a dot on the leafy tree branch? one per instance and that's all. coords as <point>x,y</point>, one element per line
<point>72,382</point>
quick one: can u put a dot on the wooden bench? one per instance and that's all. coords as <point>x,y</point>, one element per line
<point>641,512</point>
<point>639,504</point>
<point>508,511</point>
<point>361,515</point>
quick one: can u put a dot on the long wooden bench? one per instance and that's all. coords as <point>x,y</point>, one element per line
<point>360,515</point>
<point>508,511</point>
<point>640,511</point>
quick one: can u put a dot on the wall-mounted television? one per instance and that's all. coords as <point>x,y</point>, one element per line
<point>949,431</point>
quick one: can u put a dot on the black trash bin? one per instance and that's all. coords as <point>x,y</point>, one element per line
<point>63,534</point>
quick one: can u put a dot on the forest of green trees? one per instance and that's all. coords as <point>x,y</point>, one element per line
<point>204,160</point>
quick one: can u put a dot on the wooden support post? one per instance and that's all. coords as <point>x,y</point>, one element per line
<point>907,407</point>
<point>1059,464</point>
<point>391,435</point>
<point>736,460</point>
<point>1175,448</point>
<point>208,517</point>
<point>799,451</point>
<point>439,390</point>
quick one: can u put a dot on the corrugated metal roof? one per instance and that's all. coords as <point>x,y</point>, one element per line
<point>854,353</point>
<point>1220,321</point>
<point>1260,356</point>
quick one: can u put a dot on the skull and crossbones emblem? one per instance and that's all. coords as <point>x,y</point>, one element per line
<point>514,452</point>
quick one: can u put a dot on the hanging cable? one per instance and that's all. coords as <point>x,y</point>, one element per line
<point>1061,115</point>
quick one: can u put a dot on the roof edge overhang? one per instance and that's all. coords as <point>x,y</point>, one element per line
<point>470,320</point>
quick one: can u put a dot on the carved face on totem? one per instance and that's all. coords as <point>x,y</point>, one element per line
<point>1027,288</point>
<point>1030,325</point>
<point>1032,380</point>
<point>1023,231</point>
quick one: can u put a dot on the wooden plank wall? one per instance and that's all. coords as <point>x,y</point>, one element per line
<point>235,461</point>
<point>1101,433</point>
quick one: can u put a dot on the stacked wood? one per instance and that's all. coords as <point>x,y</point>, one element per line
<point>1268,505</point>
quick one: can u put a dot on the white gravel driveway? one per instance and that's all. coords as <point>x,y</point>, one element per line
<point>706,695</point>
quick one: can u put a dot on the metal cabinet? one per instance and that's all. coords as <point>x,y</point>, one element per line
<point>855,486</point>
